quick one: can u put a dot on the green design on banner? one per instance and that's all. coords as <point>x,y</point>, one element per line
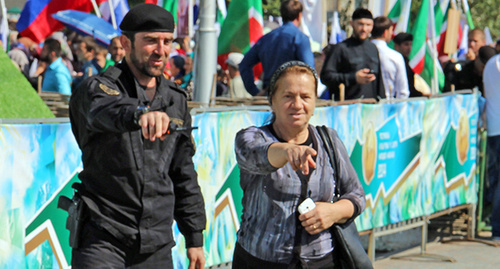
<point>231,184</point>
<point>455,160</point>
<point>50,224</point>
<point>383,161</point>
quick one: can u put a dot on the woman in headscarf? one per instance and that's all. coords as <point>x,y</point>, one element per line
<point>281,165</point>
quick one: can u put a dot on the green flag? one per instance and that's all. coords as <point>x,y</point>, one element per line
<point>465,5</point>
<point>419,32</point>
<point>242,27</point>
<point>171,6</point>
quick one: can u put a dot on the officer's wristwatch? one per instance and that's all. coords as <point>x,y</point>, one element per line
<point>139,112</point>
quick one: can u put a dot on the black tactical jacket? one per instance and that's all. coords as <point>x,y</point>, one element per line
<point>134,188</point>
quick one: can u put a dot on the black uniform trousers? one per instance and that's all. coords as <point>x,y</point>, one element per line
<point>99,249</point>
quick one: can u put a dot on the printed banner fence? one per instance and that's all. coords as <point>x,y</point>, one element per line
<point>413,158</point>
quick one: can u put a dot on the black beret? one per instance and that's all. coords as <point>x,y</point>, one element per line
<point>148,18</point>
<point>402,37</point>
<point>361,13</point>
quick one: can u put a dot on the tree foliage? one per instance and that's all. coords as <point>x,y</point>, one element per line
<point>271,8</point>
<point>485,13</point>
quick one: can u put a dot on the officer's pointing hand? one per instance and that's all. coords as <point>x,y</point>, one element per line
<point>154,125</point>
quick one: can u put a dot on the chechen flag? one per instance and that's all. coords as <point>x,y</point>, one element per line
<point>241,29</point>
<point>399,13</point>
<point>423,58</point>
<point>36,21</point>
<point>419,32</point>
<point>441,23</point>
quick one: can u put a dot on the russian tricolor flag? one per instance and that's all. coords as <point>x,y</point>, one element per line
<point>36,21</point>
<point>120,9</point>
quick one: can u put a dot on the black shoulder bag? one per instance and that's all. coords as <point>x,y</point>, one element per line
<point>349,251</point>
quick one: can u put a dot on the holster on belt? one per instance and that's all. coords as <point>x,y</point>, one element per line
<point>76,215</point>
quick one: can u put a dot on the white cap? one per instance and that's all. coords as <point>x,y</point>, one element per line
<point>234,59</point>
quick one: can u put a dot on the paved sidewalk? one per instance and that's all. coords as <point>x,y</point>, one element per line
<point>466,255</point>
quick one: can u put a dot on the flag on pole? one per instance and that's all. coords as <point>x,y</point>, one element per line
<point>423,56</point>
<point>242,27</point>
<point>36,21</point>
<point>466,8</point>
<point>170,5</point>
<point>441,23</point>
<point>464,43</point>
<point>221,8</point>
<point>431,61</point>
<point>419,32</point>
<point>400,14</point>
<point>120,9</point>
<point>336,36</point>
<point>432,72</point>
<point>396,10</point>
<point>221,14</point>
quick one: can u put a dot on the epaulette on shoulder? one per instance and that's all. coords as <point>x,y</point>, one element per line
<point>174,86</point>
<point>106,81</point>
<point>112,73</point>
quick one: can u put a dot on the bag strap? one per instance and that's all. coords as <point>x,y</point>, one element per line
<point>330,149</point>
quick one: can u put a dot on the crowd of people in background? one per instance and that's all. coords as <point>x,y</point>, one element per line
<point>372,63</point>
<point>66,59</point>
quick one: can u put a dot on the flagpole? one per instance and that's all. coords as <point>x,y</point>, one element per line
<point>207,52</point>
<point>386,8</point>
<point>432,25</point>
<point>324,32</point>
<point>190,19</point>
<point>112,12</point>
<point>96,9</point>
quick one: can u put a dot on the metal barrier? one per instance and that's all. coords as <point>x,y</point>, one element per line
<point>481,225</point>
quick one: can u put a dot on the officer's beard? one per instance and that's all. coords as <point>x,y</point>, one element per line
<point>144,68</point>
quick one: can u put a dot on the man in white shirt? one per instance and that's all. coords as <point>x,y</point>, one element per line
<point>392,62</point>
<point>237,87</point>
<point>491,80</point>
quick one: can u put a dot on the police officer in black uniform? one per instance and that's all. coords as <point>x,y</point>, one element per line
<point>138,174</point>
